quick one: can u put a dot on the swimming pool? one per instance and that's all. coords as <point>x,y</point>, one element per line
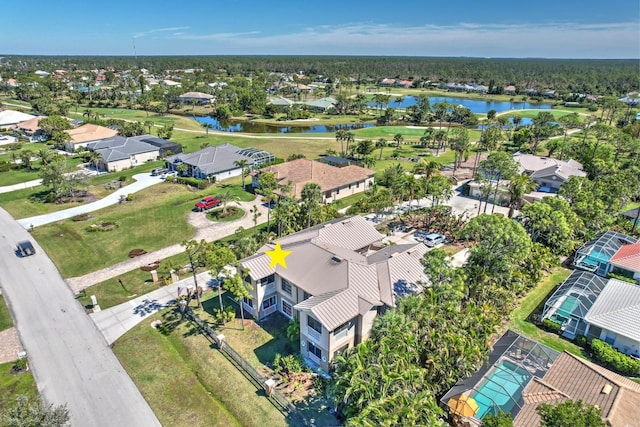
<point>566,309</point>
<point>501,389</point>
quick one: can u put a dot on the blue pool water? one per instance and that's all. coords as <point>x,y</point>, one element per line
<point>501,389</point>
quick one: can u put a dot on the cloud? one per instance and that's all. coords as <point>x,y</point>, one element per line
<point>158,30</point>
<point>552,39</point>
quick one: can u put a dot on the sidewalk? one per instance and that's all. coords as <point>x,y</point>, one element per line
<point>20,186</point>
<point>143,180</point>
<point>116,321</point>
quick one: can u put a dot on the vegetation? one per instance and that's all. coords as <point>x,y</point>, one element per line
<point>13,385</point>
<point>570,413</point>
<point>5,317</point>
<point>30,411</point>
<point>612,358</point>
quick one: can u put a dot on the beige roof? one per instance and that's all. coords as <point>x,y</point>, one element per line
<point>200,95</point>
<point>302,171</point>
<point>326,262</point>
<point>90,132</point>
<point>30,125</point>
<point>571,377</point>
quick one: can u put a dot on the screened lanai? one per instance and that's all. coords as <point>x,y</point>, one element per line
<point>259,157</point>
<point>595,255</point>
<point>572,300</point>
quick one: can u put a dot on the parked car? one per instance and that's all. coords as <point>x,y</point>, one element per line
<point>207,203</point>
<point>25,248</point>
<point>433,240</point>
<point>159,171</point>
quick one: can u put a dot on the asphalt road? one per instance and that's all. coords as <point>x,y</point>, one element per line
<point>68,356</point>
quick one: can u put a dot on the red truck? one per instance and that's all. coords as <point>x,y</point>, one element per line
<point>207,203</point>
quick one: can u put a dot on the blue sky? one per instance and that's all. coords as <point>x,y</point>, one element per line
<point>480,28</point>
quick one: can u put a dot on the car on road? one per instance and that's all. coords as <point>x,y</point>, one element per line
<point>25,248</point>
<point>207,203</point>
<point>433,239</point>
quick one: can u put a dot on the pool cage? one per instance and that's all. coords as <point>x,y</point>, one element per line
<point>570,303</point>
<point>259,157</point>
<point>499,385</point>
<point>595,255</point>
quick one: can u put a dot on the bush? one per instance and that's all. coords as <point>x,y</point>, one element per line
<point>551,326</point>
<point>130,197</point>
<point>20,365</point>
<point>581,340</point>
<point>122,178</point>
<point>81,217</point>
<point>621,277</point>
<point>289,364</point>
<point>225,316</point>
<point>609,356</point>
<point>194,182</point>
<point>105,226</point>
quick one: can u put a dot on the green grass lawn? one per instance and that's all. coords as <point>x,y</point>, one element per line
<point>13,385</point>
<point>154,219</point>
<point>534,302</point>
<point>182,122</point>
<point>187,382</point>
<point>16,176</point>
<point>532,114</point>
<point>232,214</point>
<point>5,316</point>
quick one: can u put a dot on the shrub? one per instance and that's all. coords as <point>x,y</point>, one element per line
<point>551,326</point>
<point>224,316</point>
<point>581,340</point>
<point>21,364</point>
<point>129,197</point>
<point>609,356</point>
<point>122,178</point>
<point>289,364</point>
<point>621,277</point>
<point>170,178</point>
<point>81,217</point>
<point>105,226</point>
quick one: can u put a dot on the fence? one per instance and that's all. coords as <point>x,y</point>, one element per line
<point>279,400</point>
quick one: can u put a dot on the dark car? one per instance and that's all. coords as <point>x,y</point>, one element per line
<point>26,248</point>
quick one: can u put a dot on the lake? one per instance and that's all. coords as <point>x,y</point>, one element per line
<point>251,127</point>
<point>476,106</point>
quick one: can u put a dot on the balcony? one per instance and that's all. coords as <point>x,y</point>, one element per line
<point>313,333</point>
<point>270,288</point>
<point>340,335</point>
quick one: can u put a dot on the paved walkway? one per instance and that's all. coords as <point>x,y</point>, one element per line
<point>205,229</point>
<point>143,180</point>
<point>116,321</point>
<point>20,186</point>
<point>10,345</point>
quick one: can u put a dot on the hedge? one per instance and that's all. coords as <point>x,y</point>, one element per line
<point>609,356</point>
<point>195,182</point>
<point>552,326</point>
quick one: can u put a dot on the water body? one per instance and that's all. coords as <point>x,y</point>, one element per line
<point>251,127</point>
<point>476,106</point>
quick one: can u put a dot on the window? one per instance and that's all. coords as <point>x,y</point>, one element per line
<point>268,302</point>
<point>267,280</point>
<point>349,186</point>
<point>314,324</point>
<point>248,301</point>
<point>358,184</point>
<point>315,351</point>
<point>287,308</point>
<point>286,286</point>
<point>342,330</point>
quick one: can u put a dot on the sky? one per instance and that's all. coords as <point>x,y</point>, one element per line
<point>476,28</point>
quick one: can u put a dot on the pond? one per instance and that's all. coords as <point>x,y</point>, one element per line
<point>251,127</point>
<point>476,106</point>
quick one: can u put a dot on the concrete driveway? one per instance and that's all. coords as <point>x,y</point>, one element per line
<point>143,180</point>
<point>70,360</point>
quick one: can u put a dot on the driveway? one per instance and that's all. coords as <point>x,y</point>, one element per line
<point>143,180</point>
<point>70,360</point>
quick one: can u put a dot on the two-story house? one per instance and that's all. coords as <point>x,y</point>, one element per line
<point>339,277</point>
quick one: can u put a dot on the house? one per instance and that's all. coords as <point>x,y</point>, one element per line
<point>404,83</point>
<point>339,277</point>
<point>281,103</point>
<point>509,90</point>
<point>85,134</point>
<point>119,153</point>
<point>595,255</point>
<point>521,374</point>
<point>320,105</point>
<point>387,82</point>
<point>613,318</point>
<point>30,130</point>
<point>10,118</point>
<point>626,262</point>
<point>547,172</point>
<point>199,98</point>
<point>335,182</point>
<point>165,146</point>
<point>218,162</point>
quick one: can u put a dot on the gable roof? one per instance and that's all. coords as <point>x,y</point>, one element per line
<point>571,377</point>
<point>198,95</point>
<point>326,262</point>
<point>302,171</point>
<point>628,257</point>
<point>212,160</point>
<point>90,132</point>
<point>617,309</point>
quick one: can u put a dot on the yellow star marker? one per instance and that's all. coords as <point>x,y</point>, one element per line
<point>278,256</point>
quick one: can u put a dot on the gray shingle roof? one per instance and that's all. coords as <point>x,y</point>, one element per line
<point>212,160</point>
<point>120,148</point>
<point>617,309</point>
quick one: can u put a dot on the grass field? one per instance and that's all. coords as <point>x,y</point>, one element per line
<point>5,316</point>
<point>154,219</point>
<point>189,383</point>
<point>17,176</point>
<point>13,385</point>
<point>182,122</point>
<point>532,114</point>
<point>534,302</point>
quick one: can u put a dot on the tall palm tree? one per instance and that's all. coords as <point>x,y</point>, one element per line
<point>311,196</point>
<point>340,137</point>
<point>206,127</point>
<point>349,137</point>
<point>398,138</point>
<point>381,143</point>
<point>45,155</point>
<point>94,159</point>
<point>369,162</point>
<point>518,187</point>
<point>244,165</point>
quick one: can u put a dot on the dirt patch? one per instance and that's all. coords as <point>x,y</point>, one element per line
<point>79,197</point>
<point>150,267</point>
<point>136,252</point>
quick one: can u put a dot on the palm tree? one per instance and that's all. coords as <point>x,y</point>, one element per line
<point>25,158</point>
<point>45,155</point>
<point>518,187</point>
<point>226,198</point>
<point>349,137</point>
<point>244,165</point>
<point>311,196</point>
<point>381,143</point>
<point>148,124</point>
<point>340,137</point>
<point>182,169</point>
<point>94,158</point>
<point>206,127</point>
<point>368,162</point>
<point>398,138</point>
<point>460,144</point>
